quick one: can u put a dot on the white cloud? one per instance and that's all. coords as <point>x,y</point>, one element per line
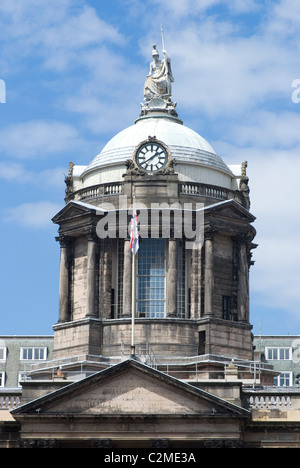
<point>33,215</point>
<point>188,8</point>
<point>230,75</point>
<point>267,130</point>
<point>59,31</point>
<point>33,139</point>
<point>284,18</point>
<point>15,172</point>
<point>12,171</point>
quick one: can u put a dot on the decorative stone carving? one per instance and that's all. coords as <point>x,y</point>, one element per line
<point>160,443</point>
<point>243,186</point>
<point>159,79</point>
<point>218,443</point>
<point>102,443</point>
<point>158,86</point>
<point>69,182</point>
<point>38,443</point>
<point>133,169</point>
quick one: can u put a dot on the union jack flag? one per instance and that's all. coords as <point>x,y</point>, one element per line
<point>134,233</point>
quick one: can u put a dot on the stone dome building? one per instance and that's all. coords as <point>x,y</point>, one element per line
<point>190,287</point>
<point>153,344</point>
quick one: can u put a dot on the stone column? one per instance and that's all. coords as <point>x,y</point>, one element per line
<point>172,279</point>
<point>63,281</point>
<point>91,277</point>
<point>209,273</point>
<point>127,288</point>
<point>106,278</point>
<point>196,284</point>
<point>243,282</point>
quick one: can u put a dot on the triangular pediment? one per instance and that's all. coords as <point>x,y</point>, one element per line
<point>230,209</point>
<point>75,209</point>
<point>130,388</point>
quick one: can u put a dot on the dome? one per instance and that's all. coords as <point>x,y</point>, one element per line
<point>186,146</point>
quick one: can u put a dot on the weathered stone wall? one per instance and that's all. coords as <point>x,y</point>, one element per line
<point>77,338</point>
<point>79,284</point>
<point>165,336</point>
<point>223,272</point>
<point>227,338</point>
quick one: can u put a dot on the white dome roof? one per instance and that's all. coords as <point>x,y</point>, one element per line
<point>186,146</point>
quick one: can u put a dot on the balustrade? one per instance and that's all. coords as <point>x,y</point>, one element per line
<point>9,402</point>
<point>274,402</point>
<point>98,191</point>
<point>190,188</point>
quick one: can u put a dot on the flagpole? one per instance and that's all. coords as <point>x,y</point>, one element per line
<point>133,305</point>
<point>134,246</point>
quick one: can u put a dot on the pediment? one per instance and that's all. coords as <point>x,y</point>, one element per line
<point>130,388</point>
<point>230,209</point>
<point>73,210</point>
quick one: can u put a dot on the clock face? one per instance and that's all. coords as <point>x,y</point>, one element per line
<point>151,157</point>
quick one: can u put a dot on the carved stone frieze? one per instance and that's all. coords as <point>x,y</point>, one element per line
<point>38,443</point>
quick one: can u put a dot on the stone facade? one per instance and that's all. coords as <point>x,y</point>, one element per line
<point>216,271</point>
<point>154,349</point>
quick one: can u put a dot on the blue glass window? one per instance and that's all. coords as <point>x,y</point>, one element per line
<point>151,278</point>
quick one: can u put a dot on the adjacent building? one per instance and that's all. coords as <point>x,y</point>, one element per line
<point>283,353</point>
<point>18,354</point>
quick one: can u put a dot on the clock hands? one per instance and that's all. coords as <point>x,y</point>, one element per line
<point>157,152</point>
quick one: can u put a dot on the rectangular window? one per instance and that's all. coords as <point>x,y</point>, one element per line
<point>151,278</point>
<point>181,279</point>
<point>33,354</point>
<point>2,379</point>
<point>3,353</point>
<point>283,380</point>
<point>120,277</point>
<point>226,305</point>
<point>201,344</point>
<point>278,354</point>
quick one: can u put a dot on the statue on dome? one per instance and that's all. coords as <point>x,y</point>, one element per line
<point>158,85</point>
<point>159,80</point>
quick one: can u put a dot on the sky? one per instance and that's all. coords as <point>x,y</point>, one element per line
<point>71,76</point>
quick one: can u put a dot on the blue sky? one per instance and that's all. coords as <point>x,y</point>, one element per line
<point>74,72</point>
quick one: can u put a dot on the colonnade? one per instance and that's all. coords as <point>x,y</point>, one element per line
<point>198,268</point>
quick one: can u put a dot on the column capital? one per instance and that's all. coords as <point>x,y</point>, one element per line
<point>242,238</point>
<point>91,235</point>
<point>63,240</point>
<point>209,233</point>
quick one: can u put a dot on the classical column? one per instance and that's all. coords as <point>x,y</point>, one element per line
<point>91,277</point>
<point>127,279</point>
<point>196,283</point>
<point>209,273</point>
<point>172,279</point>
<point>243,282</point>
<point>106,273</point>
<point>63,281</point>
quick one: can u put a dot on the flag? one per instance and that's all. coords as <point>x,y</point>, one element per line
<point>134,233</point>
